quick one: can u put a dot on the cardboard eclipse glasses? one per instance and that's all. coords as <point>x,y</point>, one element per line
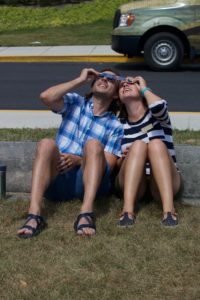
<point>113,77</point>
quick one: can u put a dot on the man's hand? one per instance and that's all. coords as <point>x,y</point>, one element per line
<point>88,74</point>
<point>68,162</point>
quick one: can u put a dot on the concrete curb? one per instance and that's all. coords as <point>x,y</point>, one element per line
<point>45,119</point>
<point>70,53</point>
<point>19,156</point>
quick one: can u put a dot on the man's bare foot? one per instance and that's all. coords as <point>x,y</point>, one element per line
<point>85,224</point>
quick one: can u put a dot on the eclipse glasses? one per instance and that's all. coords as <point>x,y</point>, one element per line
<point>113,77</point>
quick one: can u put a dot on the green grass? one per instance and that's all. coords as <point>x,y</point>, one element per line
<point>190,137</point>
<point>85,23</point>
<point>64,35</point>
<point>28,134</point>
<point>146,262</point>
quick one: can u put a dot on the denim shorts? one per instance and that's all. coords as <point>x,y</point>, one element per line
<point>69,185</point>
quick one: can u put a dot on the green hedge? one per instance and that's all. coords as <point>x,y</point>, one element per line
<point>37,2</point>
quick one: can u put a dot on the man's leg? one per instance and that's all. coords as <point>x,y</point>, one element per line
<point>44,170</point>
<point>94,164</point>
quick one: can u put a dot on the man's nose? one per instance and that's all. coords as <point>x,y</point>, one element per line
<point>104,78</point>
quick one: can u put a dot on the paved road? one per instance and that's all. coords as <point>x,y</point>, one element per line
<point>21,83</point>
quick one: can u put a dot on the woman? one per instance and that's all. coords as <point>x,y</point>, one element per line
<point>148,152</point>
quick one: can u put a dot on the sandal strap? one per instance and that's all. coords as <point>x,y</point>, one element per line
<point>86,214</point>
<point>127,213</point>
<point>82,226</point>
<point>37,218</point>
<point>90,217</point>
<point>168,213</point>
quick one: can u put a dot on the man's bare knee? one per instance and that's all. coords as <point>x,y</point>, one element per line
<point>46,147</point>
<point>93,147</point>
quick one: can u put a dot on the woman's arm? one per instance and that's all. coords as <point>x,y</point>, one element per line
<point>145,91</point>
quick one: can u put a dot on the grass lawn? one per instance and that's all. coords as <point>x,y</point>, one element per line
<point>145,262</point>
<point>59,36</point>
<point>82,24</point>
<point>27,134</point>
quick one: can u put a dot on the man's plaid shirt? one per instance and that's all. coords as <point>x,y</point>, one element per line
<point>80,125</point>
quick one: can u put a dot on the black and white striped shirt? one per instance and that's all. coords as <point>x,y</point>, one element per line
<point>155,124</point>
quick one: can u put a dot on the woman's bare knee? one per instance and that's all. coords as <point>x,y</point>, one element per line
<point>137,148</point>
<point>156,146</point>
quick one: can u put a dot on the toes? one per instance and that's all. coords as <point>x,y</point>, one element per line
<point>86,232</point>
<point>24,231</point>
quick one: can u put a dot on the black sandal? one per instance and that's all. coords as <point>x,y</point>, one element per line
<point>90,217</point>
<point>171,220</point>
<point>41,225</point>
<point>125,220</point>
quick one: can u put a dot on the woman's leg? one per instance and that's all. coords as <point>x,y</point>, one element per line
<point>166,179</point>
<point>132,175</point>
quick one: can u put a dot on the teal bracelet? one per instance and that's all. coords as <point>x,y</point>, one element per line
<point>142,91</point>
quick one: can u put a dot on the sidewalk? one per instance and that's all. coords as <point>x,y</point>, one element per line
<point>100,53</point>
<point>89,53</point>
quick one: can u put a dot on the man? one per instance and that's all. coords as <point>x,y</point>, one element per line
<point>79,163</point>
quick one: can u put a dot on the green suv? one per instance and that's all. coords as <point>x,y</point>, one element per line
<point>163,33</point>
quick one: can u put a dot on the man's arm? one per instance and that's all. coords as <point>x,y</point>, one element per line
<point>53,96</point>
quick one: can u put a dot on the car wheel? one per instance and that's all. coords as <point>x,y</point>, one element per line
<point>163,51</point>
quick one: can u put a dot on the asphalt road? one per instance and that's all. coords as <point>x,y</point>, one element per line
<point>21,83</point>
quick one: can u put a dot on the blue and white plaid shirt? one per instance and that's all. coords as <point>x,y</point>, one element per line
<point>80,125</point>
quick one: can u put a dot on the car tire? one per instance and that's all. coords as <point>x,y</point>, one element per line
<point>163,51</point>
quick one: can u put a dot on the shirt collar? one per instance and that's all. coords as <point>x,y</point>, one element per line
<point>91,106</point>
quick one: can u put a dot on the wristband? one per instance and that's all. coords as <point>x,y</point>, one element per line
<point>142,91</point>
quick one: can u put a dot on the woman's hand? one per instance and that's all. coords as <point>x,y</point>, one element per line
<point>124,154</point>
<point>121,159</point>
<point>140,82</point>
<point>68,162</point>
